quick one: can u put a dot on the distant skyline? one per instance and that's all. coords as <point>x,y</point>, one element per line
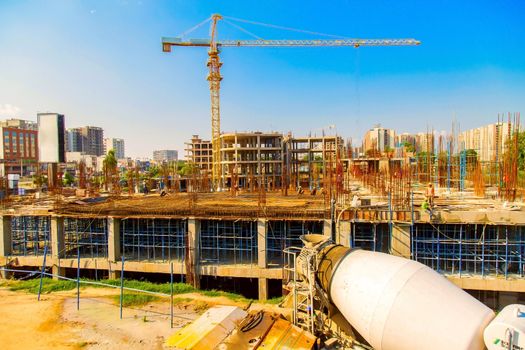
<point>100,63</point>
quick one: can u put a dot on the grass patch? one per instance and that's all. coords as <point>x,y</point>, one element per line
<point>181,300</point>
<point>178,288</point>
<point>219,293</point>
<point>48,285</point>
<point>134,299</point>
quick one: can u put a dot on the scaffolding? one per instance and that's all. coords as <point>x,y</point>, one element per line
<point>87,238</point>
<point>284,234</point>
<point>471,249</point>
<point>29,235</point>
<point>370,236</point>
<point>228,242</point>
<point>153,239</point>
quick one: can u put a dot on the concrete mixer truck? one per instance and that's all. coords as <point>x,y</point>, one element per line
<point>400,304</point>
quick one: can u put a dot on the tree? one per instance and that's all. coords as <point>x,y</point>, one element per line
<point>409,147</point>
<point>110,168</point>
<point>68,179</point>
<point>188,169</point>
<point>521,150</point>
<point>39,180</point>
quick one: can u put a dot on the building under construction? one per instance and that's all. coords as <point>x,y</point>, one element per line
<point>236,242</point>
<point>199,154</point>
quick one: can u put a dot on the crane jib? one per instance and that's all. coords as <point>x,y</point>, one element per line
<point>292,43</point>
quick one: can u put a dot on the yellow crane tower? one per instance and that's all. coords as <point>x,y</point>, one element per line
<point>214,64</point>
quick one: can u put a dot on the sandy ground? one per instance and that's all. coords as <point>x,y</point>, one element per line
<point>55,322</point>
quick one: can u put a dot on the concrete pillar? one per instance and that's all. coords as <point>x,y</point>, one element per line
<point>192,255</point>
<point>327,228</point>
<point>57,245</point>
<point>262,256</point>
<point>400,240</point>
<point>343,233</point>
<point>263,289</point>
<point>5,241</point>
<point>114,254</point>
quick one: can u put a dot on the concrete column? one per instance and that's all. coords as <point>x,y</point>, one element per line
<point>327,228</point>
<point>57,245</point>
<point>192,254</point>
<point>343,233</point>
<point>263,289</point>
<point>400,240</point>
<point>114,254</point>
<point>5,241</point>
<point>5,236</point>
<point>262,225</point>
<point>261,243</point>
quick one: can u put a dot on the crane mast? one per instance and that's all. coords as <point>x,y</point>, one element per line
<point>214,66</point>
<point>214,77</point>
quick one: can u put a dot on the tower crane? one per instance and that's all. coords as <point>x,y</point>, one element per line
<point>214,65</point>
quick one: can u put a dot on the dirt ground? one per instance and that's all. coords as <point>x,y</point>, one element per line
<point>55,322</point>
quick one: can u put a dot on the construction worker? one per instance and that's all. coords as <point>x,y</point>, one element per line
<point>425,206</point>
<point>430,194</point>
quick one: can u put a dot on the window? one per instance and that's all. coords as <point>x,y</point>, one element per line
<point>26,141</point>
<point>21,141</point>
<point>14,137</point>
<point>33,145</point>
<point>7,143</point>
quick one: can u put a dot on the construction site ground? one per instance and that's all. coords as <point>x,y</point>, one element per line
<point>55,323</point>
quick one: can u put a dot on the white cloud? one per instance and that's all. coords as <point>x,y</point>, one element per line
<point>7,110</point>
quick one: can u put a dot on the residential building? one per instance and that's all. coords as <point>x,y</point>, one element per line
<point>379,139</point>
<point>405,137</point>
<point>86,139</point>
<point>488,141</point>
<point>165,155</point>
<point>93,140</point>
<point>117,145</point>
<point>199,153</point>
<point>425,142</point>
<point>74,140</point>
<point>19,148</point>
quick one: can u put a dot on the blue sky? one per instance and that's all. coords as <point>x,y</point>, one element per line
<point>100,63</point>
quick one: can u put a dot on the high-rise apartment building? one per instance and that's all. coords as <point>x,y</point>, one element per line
<point>379,139</point>
<point>165,155</point>
<point>74,140</point>
<point>115,144</point>
<point>93,138</point>
<point>488,141</point>
<point>425,142</point>
<point>86,139</point>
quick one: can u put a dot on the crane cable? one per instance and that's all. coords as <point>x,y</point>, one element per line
<point>242,29</point>
<point>284,28</point>
<point>225,19</point>
<point>195,27</point>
